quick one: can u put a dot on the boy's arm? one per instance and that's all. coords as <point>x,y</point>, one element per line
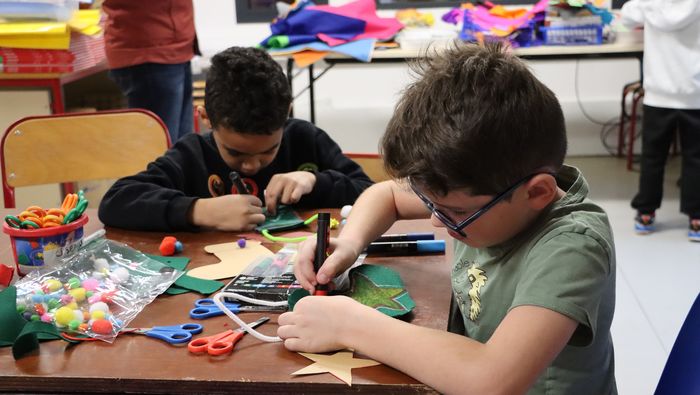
<point>372,214</point>
<point>153,199</point>
<point>523,345</point>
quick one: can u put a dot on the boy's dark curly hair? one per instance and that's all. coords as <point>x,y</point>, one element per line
<point>246,92</point>
<point>476,118</point>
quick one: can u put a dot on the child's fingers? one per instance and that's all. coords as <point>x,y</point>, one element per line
<point>256,218</point>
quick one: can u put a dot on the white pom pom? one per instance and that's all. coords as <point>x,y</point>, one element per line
<point>345,211</point>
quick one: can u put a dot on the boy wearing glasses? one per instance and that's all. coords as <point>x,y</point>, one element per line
<point>477,143</point>
<point>254,154</point>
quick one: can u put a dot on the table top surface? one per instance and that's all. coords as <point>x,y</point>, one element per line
<point>143,364</point>
<point>617,48</point>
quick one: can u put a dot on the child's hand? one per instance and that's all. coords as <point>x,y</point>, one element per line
<point>318,323</point>
<point>343,255</point>
<point>288,188</point>
<point>228,212</point>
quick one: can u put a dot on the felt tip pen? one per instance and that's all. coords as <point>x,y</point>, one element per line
<point>238,182</point>
<point>322,239</point>
<point>407,247</point>
<point>406,237</point>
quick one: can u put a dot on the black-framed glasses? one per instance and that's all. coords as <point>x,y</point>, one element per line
<point>457,227</point>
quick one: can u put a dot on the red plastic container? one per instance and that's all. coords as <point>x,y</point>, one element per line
<point>39,248</point>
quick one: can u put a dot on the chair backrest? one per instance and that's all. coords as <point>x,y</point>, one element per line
<point>65,148</point>
<point>372,164</point>
<point>681,374</point>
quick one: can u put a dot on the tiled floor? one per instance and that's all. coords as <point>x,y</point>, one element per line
<point>658,276</point>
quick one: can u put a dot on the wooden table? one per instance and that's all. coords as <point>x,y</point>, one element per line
<point>142,364</point>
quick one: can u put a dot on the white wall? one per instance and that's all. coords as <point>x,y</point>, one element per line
<point>354,102</point>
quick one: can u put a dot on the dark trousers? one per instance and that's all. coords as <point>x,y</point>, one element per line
<point>658,131</point>
<point>165,89</point>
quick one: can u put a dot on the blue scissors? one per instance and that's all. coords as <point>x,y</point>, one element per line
<point>175,334</point>
<point>205,308</point>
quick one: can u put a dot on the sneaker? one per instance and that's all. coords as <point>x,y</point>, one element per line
<point>644,223</point>
<point>694,230</point>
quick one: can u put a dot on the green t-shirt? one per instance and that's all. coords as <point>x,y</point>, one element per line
<point>564,262</point>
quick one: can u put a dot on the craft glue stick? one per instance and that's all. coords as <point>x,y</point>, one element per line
<point>322,240</point>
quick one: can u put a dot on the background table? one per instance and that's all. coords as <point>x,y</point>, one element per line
<point>614,50</point>
<point>142,364</point>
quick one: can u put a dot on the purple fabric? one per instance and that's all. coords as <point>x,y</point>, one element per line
<point>304,25</point>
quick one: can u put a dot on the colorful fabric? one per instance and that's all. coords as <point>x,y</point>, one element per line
<point>375,286</point>
<point>356,20</point>
<point>515,25</point>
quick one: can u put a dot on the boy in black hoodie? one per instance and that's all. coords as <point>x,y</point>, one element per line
<point>280,160</point>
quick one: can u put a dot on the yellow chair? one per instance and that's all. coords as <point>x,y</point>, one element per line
<point>66,148</point>
<point>372,164</point>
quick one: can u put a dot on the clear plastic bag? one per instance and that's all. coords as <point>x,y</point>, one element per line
<point>97,291</point>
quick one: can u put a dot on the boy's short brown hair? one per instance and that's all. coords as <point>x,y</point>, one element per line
<point>476,118</point>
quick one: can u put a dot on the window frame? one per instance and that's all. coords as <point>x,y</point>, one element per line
<point>244,14</point>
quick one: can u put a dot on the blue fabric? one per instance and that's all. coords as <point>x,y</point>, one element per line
<point>306,24</point>
<point>680,375</point>
<point>359,49</point>
<point>165,89</point>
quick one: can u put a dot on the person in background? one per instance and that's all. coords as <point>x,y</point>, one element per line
<point>671,102</point>
<point>149,45</point>
<point>279,160</point>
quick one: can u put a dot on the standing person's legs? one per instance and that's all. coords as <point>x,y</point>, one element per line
<point>689,127</point>
<point>187,107</point>
<point>159,88</point>
<point>657,133</point>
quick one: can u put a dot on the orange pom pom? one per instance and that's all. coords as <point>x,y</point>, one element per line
<point>167,246</point>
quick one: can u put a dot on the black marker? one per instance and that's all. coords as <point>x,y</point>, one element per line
<point>406,247</point>
<point>238,182</point>
<point>406,237</point>
<point>322,240</point>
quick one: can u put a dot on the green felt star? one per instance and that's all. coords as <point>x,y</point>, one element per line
<point>369,293</point>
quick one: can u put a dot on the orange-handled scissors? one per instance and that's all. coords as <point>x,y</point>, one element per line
<point>223,342</point>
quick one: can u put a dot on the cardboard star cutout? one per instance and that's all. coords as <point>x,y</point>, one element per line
<point>339,365</point>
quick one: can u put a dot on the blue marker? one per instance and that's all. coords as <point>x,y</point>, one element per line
<point>407,247</point>
<point>406,237</point>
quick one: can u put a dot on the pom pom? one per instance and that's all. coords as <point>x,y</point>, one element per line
<point>64,316</point>
<point>241,243</point>
<point>167,246</point>
<point>345,211</point>
<point>102,327</point>
<point>119,275</point>
<point>100,264</point>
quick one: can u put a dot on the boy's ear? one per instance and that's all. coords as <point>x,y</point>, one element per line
<point>203,116</point>
<point>541,191</point>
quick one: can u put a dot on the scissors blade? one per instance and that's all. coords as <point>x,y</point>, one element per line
<point>253,324</point>
<point>262,308</point>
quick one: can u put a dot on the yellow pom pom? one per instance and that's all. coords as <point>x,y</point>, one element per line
<point>64,315</point>
<point>78,294</point>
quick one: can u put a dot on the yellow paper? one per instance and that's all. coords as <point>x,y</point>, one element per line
<point>233,259</point>
<point>53,41</point>
<point>86,22</point>
<point>33,28</point>
<point>35,35</point>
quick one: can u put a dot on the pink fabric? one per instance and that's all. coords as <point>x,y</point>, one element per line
<point>366,10</point>
<point>482,17</point>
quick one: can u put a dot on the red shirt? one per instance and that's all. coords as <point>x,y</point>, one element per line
<point>148,31</point>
